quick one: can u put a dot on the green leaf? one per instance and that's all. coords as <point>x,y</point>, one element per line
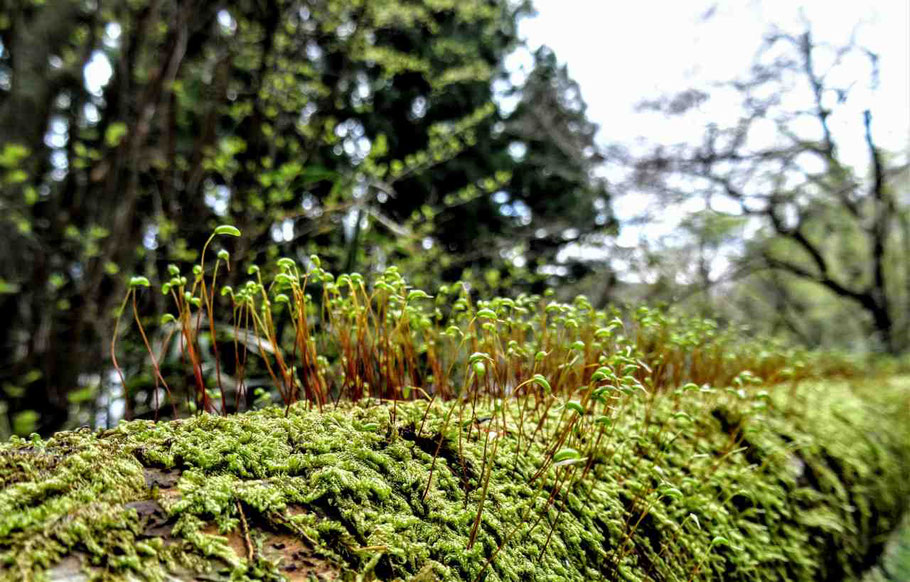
<point>7,288</point>
<point>81,395</point>
<point>603,333</point>
<point>542,382</point>
<point>228,230</point>
<point>575,406</point>
<point>25,422</point>
<point>418,294</point>
<point>566,454</point>
<point>114,134</point>
<point>683,416</point>
<point>12,154</point>
<point>671,492</point>
<point>486,314</point>
<point>313,174</point>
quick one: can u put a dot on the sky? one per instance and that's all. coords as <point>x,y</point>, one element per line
<point>623,52</point>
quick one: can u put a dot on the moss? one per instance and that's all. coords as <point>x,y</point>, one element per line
<point>895,563</point>
<point>801,489</point>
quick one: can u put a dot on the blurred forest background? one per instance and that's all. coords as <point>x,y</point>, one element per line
<point>381,132</point>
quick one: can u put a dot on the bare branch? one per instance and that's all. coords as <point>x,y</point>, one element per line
<point>881,218</point>
<point>864,299</point>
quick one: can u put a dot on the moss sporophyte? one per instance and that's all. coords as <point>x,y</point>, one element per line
<point>441,436</point>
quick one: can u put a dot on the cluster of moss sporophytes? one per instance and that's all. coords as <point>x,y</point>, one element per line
<point>445,437</point>
<point>320,339</point>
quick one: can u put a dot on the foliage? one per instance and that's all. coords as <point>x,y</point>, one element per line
<point>365,131</point>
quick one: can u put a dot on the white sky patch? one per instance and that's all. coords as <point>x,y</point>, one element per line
<point>283,231</point>
<point>226,21</point>
<point>218,198</point>
<point>622,53</point>
<point>112,35</point>
<point>97,73</point>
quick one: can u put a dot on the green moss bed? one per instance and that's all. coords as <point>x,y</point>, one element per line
<point>701,485</point>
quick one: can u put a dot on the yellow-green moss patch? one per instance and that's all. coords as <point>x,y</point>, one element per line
<point>706,485</point>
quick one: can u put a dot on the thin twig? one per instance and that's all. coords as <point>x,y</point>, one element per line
<point>246,533</point>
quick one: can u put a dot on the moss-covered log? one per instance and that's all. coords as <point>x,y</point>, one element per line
<point>700,485</point>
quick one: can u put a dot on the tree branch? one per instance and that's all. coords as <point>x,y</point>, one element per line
<point>881,217</point>
<point>864,299</point>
